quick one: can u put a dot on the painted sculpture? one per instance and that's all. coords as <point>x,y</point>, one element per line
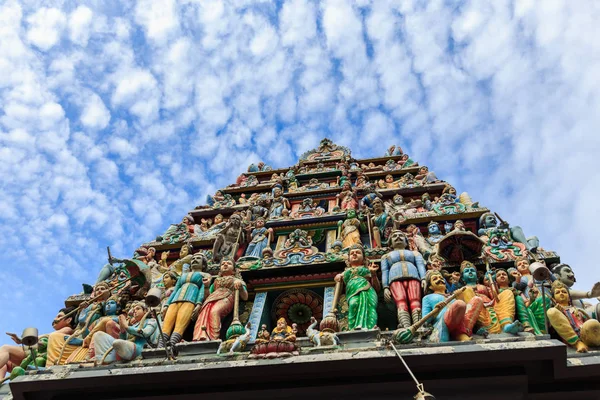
<point>572,324</point>
<point>565,274</point>
<point>185,301</point>
<point>259,239</point>
<point>362,284</point>
<point>220,301</point>
<point>402,272</point>
<point>228,239</point>
<point>350,229</point>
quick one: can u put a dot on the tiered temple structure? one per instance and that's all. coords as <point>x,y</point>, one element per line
<point>302,282</point>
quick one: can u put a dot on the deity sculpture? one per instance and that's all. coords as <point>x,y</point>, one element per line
<point>259,238</point>
<point>488,226</point>
<point>292,182</point>
<point>406,161</point>
<point>391,165</point>
<point>347,197</point>
<point>369,198</point>
<point>504,301</point>
<point>426,202</point>
<point>459,225</point>
<point>362,181</point>
<point>388,183</point>
<point>416,241</point>
<point>279,203</point>
<point>184,303</point>
<point>259,168</point>
<point>213,230</point>
<point>60,348</point>
<point>487,319</point>
<point>565,274</point>
<point>257,209</point>
<point>402,272</point>
<point>448,203</point>
<point>393,151</point>
<point>435,233</point>
<point>572,324</point>
<point>12,357</point>
<point>426,176</point>
<point>137,332</point>
<point>182,263</point>
<point>220,200</point>
<point>362,285</point>
<point>178,232</point>
<point>350,229</point>
<point>379,222</point>
<point>524,314</point>
<point>169,280</point>
<point>321,338</point>
<point>220,301</point>
<point>456,320</point>
<point>228,239</point>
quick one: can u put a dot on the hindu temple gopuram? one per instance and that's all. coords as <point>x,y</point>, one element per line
<point>333,278</point>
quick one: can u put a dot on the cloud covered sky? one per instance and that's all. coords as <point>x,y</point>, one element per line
<point>116,118</point>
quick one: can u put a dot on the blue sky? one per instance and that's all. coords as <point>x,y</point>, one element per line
<point>116,118</point>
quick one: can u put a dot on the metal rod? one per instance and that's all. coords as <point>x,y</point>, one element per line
<point>544,305</point>
<point>170,354</point>
<point>419,385</point>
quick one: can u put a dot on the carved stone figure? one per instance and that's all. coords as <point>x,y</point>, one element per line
<point>220,301</point>
<point>393,151</point>
<point>487,319</point>
<point>184,303</point>
<point>228,239</point>
<point>259,238</point>
<point>279,203</point>
<point>214,229</point>
<point>488,225</point>
<point>426,176</point>
<point>361,284</point>
<point>346,199</point>
<point>388,183</point>
<point>319,338</point>
<point>379,222</point>
<point>456,320</point>
<point>350,229</point>
<point>435,233</point>
<point>182,263</point>
<point>402,272</point>
<point>572,324</point>
<point>565,274</point>
<point>178,232</point>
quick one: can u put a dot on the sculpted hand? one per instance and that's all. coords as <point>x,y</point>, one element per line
<point>237,284</point>
<point>338,278</point>
<point>387,295</point>
<point>14,337</point>
<point>373,267</point>
<point>123,322</point>
<point>195,312</point>
<point>165,255</point>
<point>595,292</point>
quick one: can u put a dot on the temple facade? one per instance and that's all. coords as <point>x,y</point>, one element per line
<point>311,282</point>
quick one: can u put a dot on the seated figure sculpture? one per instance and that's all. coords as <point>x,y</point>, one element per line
<point>136,332</point>
<point>488,223</point>
<point>487,320</point>
<point>572,324</point>
<point>456,320</point>
<point>565,274</point>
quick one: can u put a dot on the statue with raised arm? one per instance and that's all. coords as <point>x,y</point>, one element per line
<point>565,274</point>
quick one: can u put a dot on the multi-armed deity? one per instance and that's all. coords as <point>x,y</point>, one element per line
<point>304,252</point>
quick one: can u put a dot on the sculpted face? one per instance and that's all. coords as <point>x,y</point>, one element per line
<point>523,266</point>
<point>346,186</point>
<point>459,225</point>
<point>110,307</point>
<point>567,276</point>
<point>398,200</point>
<point>226,267</point>
<point>469,274</point>
<point>138,312</point>
<point>398,240</point>
<point>57,324</point>
<point>561,295</point>
<point>389,179</point>
<point>490,221</point>
<point>434,229</point>
<point>356,257</point>
<point>184,251</point>
<point>502,278</point>
<point>281,324</point>
<point>260,223</point>
<point>218,219</point>
<point>168,281</point>
<point>277,192</point>
<point>101,291</point>
<point>437,283</point>
<point>351,213</point>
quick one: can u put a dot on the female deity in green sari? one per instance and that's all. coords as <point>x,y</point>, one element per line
<point>361,284</point>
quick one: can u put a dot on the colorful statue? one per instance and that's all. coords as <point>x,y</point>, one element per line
<point>402,271</point>
<point>425,176</point>
<point>488,227</point>
<point>435,233</point>
<point>136,333</point>
<point>346,199</point>
<point>406,161</point>
<point>572,324</point>
<point>182,263</point>
<point>60,348</point>
<point>11,357</point>
<point>228,239</point>
<point>487,319</point>
<point>320,338</point>
<point>261,167</point>
<point>279,203</point>
<point>178,232</point>
<point>220,301</point>
<point>565,274</point>
<point>524,314</point>
<point>213,230</point>
<point>361,284</point>
<point>369,198</point>
<point>259,238</point>
<point>448,203</point>
<point>456,320</point>
<point>388,183</point>
<point>185,301</point>
<point>350,229</point>
<point>362,181</point>
<point>393,151</point>
<point>504,301</point>
<point>237,344</point>
<point>379,222</point>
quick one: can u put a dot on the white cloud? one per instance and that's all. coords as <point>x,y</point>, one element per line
<point>95,115</point>
<point>45,27</point>
<point>80,21</point>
